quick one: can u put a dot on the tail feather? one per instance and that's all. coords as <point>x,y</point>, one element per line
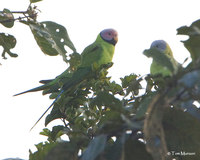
<point>46,81</point>
<point>80,75</point>
<point>47,109</point>
<point>76,79</point>
<point>42,87</point>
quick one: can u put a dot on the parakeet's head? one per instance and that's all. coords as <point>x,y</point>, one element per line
<point>162,46</point>
<point>110,36</point>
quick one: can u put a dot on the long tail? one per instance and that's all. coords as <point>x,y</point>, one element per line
<point>78,77</point>
<point>42,87</point>
<point>47,109</point>
<point>46,81</point>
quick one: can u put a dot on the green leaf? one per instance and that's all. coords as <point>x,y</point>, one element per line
<point>131,123</point>
<point>110,123</point>
<point>116,88</point>
<point>135,150</point>
<point>95,147</point>
<point>7,18</point>
<point>190,108</point>
<point>128,79</point>
<point>57,131</point>
<point>190,79</point>
<point>160,58</point>
<point>52,38</point>
<point>53,135</point>
<point>192,44</point>
<point>42,151</point>
<point>59,34</point>
<point>106,99</point>
<point>34,1</point>
<point>75,61</point>
<point>144,103</point>
<point>63,151</point>
<point>8,42</point>
<point>45,132</point>
<point>55,114</point>
<point>182,133</point>
<point>115,150</point>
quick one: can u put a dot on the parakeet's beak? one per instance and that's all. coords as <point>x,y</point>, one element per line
<point>114,40</point>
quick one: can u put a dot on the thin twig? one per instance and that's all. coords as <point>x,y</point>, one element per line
<point>17,12</point>
<point>64,122</point>
<point>10,20</point>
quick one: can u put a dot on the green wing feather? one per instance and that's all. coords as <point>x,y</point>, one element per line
<point>98,53</point>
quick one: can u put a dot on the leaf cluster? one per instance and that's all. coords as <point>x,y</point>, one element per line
<point>105,120</point>
<point>52,38</point>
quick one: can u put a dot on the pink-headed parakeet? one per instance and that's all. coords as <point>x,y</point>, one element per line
<point>98,53</point>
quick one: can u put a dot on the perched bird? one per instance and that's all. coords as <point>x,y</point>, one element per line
<point>157,68</point>
<point>93,56</point>
<point>98,53</point>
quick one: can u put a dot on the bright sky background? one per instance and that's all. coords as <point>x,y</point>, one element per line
<point>138,24</point>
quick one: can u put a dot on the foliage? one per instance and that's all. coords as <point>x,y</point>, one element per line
<point>104,120</point>
<point>50,36</point>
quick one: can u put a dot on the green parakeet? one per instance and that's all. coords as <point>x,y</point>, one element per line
<point>157,68</point>
<point>98,53</point>
<point>93,56</point>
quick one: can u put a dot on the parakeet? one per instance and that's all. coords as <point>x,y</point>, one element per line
<point>103,48</point>
<point>157,68</point>
<point>98,53</point>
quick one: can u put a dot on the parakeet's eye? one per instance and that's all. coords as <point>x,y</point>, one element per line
<point>109,35</point>
<point>159,44</point>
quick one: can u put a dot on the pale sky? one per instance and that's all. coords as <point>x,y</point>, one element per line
<point>138,24</point>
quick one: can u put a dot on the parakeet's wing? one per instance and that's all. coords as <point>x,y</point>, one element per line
<point>159,69</point>
<point>60,80</point>
<point>91,55</point>
<point>100,52</point>
<point>82,73</point>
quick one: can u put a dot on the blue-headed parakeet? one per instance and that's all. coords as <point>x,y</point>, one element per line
<point>157,68</point>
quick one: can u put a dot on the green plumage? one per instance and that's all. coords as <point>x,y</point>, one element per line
<point>157,68</point>
<point>98,53</point>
